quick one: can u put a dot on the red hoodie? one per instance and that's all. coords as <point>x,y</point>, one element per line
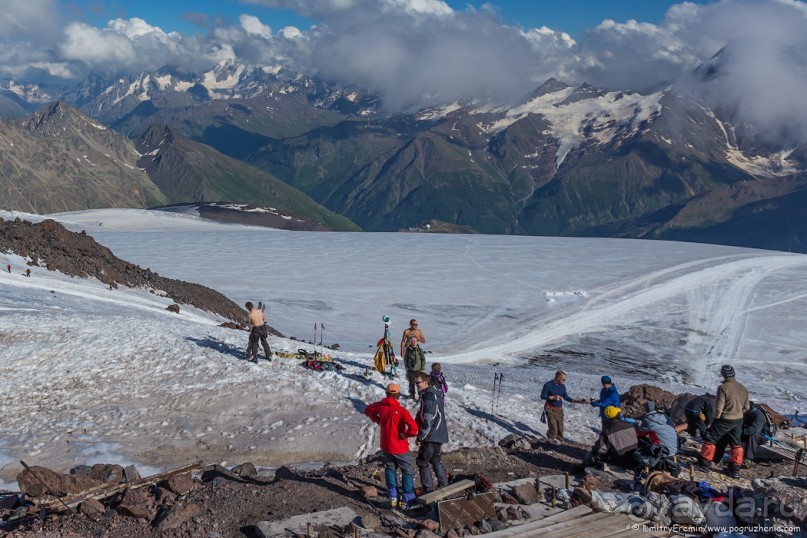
<point>394,420</point>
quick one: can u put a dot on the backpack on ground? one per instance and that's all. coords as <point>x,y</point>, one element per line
<point>770,428</point>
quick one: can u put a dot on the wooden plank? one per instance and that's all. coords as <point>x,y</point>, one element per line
<point>458,513</point>
<point>605,527</point>
<point>590,524</point>
<point>566,515</point>
<point>535,528</point>
<point>105,490</point>
<point>446,492</point>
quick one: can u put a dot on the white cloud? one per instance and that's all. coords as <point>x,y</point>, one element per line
<point>96,46</point>
<point>253,26</point>
<point>291,32</point>
<point>27,19</point>
<point>414,52</point>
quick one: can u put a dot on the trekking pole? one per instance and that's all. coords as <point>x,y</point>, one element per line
<point>314,341</point>
<point>321,338</point>
<point>493,392</point>
<point>499,394</point>
<point>799,456</point>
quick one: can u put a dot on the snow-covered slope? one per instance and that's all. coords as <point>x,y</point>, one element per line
<point>91,374</point>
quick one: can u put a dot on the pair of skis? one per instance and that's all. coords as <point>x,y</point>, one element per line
<point>387,352</point>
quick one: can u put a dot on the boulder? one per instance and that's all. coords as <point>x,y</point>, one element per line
<point>430,525</point>
<point>163,496</point>
<point>245,469</point>
<point>369,491</point>
<point>526,494</point>
<point>45,481</point>
<point>632,402</point>
<point>92,509</point>
<point>136,496</point>
<point>107,472</point>
<point>137,511</point>
<point>173,308</point>
<point>176,516</point>
<point>180,483</point>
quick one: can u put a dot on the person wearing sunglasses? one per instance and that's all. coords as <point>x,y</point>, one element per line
<point>411,332</point>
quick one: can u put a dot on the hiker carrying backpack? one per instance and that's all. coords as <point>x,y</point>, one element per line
<point>415,362</point>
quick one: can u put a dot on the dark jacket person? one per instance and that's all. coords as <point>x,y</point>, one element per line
<point>432,433</point>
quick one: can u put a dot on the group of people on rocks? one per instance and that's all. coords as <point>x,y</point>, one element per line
<point>727,420</point>
<point>428,427</point>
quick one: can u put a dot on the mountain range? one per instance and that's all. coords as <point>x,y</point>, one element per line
<point>574,160</point>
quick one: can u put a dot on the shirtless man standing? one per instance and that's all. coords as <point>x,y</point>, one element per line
<point>411,332</point>
<point>258,332</point>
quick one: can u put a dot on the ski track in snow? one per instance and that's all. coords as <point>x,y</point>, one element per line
<point>94,375</point>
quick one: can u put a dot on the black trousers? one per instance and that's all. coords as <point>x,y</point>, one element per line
<point>255,335</point>
<point>429,456</point>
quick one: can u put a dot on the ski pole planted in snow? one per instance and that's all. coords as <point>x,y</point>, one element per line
<point>497,388</point>
<point>321,337</point>
<point>499,394</point>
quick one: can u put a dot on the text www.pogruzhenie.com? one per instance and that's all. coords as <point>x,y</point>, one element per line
<point>766,529</point>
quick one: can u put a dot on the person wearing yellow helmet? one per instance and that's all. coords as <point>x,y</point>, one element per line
<point>617,442</point>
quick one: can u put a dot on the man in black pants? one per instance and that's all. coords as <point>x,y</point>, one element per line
<point>258,332</point>
<point>432,433</point>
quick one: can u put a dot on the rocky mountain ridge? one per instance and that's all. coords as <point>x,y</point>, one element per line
<point>50,245</point>
<point>563,160</point>
<point>58,159</point>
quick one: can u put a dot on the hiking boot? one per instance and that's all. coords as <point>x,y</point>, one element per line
<point>703,465</point>
<point>733,471</point>
<point>394,503</point>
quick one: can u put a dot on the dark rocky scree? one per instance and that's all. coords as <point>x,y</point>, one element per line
<point>222,503</point>
<point>50,245</point>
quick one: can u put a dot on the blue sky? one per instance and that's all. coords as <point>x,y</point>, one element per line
<point>571,16</point>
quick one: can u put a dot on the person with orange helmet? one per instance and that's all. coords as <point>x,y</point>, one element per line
<point>397,426</point>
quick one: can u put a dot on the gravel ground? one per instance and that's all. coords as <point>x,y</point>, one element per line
<point>230,506</point>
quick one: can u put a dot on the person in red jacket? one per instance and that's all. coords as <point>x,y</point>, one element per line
<point>397,426</point>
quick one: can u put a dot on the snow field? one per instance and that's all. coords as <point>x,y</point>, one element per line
<point>92,375</point>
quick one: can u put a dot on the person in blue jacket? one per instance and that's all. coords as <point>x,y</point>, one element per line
<point>609,396</point>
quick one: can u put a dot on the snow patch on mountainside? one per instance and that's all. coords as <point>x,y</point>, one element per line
<point>759,166</point>
<point>756,165</point>
<point>439,112</point>
<point>599,117</point>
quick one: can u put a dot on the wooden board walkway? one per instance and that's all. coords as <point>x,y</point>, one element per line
<point>581,522</point>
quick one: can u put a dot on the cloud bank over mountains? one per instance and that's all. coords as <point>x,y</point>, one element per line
<point>416,52</point>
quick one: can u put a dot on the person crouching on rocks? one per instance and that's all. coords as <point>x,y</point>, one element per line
<point>397,426</point>
<point>617,442</point>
